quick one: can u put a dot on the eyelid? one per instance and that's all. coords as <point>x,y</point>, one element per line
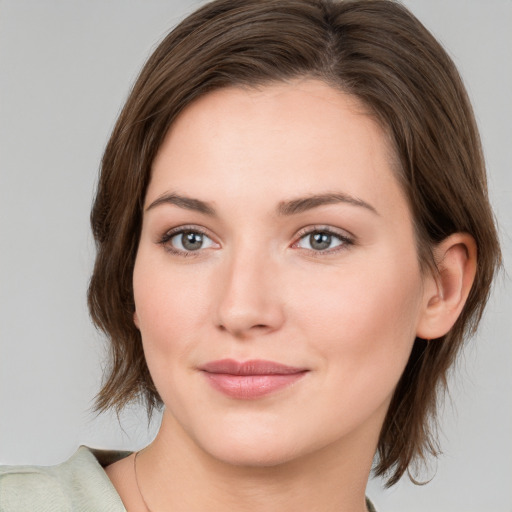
<point>345,236</point>
<point>167,236</point>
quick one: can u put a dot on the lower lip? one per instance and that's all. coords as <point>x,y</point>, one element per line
<point>249,387</point>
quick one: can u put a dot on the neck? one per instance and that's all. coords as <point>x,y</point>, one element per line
<point>176,474</point>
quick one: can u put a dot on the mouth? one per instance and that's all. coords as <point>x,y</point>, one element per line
<point>252,379</point>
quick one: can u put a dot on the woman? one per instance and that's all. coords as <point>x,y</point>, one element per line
<point>294,237</point>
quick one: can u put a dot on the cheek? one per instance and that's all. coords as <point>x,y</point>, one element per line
<point>166,308</point>
<point>173,307</point>
<point>365,320</point>
<point>362,329</point>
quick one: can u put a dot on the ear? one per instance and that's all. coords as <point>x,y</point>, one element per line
<point>136,319</point>
<point>446,293</point>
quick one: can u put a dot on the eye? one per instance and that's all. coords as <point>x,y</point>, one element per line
<point>322,240</point>
<point>184,241</point>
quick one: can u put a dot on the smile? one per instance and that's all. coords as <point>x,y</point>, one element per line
<point>251,379</point>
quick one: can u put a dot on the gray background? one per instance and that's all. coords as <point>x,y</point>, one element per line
<point>65,69</point>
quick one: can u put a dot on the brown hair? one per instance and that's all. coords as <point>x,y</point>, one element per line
<point>373,49</point>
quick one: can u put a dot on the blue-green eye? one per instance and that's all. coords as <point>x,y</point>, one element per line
<point>322,240</point>
<point>186,241</point>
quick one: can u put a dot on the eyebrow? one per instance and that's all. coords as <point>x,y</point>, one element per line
<point>303,204</point>
<point>285,208</point>
<point>187,203</point>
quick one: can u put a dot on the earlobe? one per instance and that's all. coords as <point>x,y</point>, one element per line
<point>446,293</point>
<point>136,319</point>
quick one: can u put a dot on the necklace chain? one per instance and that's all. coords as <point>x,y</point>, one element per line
<point>368,504</point>
<point>137,481</point>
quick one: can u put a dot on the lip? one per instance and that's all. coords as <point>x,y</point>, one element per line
<point>252,379</point>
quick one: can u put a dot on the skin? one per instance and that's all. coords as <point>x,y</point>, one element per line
<point>258,289</point>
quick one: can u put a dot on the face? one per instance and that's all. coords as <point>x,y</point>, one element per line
<point>277,285</point>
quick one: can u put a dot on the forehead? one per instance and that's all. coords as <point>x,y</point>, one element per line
<point>282,139</point>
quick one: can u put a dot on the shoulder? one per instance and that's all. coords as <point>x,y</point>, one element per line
<point>79,484</point>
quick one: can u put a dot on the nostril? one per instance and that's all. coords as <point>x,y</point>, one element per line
<point>258,327</point>
<point>244,309</point>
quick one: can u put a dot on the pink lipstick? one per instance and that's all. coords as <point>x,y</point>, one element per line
<point>249,380</point>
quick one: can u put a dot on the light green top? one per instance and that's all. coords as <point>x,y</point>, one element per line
<point>78,485</point>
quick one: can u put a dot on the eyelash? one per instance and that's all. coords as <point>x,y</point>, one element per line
<point>346,241</point>
<point>169,235</point>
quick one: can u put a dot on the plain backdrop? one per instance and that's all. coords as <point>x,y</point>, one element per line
<point>66,67</point>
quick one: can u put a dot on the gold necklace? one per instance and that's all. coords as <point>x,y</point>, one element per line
<point>137,480</point>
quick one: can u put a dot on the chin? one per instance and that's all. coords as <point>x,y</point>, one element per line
<point>257,456</point>
<point>250,449</point>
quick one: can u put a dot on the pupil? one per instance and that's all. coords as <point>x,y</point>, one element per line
<point>192,241</point>
<point>320,241</point>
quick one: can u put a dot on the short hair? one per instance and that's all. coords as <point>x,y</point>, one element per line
<point>374,50</point>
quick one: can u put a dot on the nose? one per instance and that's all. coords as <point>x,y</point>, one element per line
<point>249,303</point>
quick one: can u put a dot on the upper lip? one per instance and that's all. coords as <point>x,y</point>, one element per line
<point>251,367</point>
